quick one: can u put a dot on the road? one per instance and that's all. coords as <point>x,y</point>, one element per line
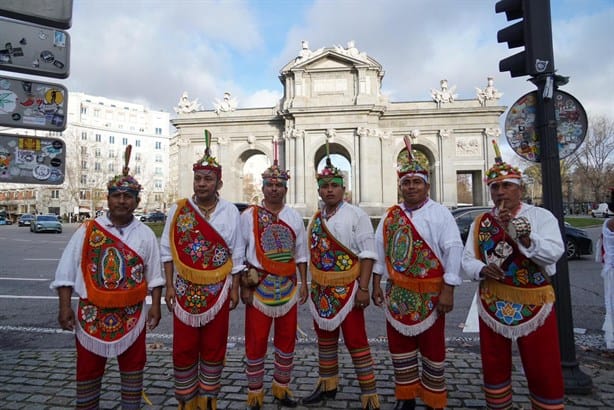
<point>28,308</point>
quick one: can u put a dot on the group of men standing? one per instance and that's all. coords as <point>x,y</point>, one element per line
<point>212,257</point>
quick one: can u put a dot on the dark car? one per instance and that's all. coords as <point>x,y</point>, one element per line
<point>25,220</point>
<point>577,242</point>
<point>155,217</point>
<point>241,206</point>
<point>46,223</point>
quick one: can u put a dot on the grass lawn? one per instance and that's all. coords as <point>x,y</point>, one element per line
<point>584,222</point>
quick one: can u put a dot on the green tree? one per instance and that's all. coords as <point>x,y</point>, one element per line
<point>594,160</point>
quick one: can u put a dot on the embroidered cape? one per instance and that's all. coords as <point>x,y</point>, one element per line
<point>520,303</point>
<point>275,241</point>
<point>334,269</point>
<point>203,263</point>
<point>111,318</point>
<point>415,275</point>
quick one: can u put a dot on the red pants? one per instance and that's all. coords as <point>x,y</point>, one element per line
<point>90,369</point>
<point>541,360</point>
<point>430,386</point>
<point>257,329</point>
<point>355,338</point>
<point>198,356</point>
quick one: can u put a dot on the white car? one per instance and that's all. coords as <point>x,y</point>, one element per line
<point>602,211</point>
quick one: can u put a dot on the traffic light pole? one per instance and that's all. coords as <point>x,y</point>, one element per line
<point>576,381</point>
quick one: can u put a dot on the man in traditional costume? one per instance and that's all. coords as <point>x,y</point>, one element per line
<point>202,252</point>
<point>419,251</point>
<point>342,253</point>
<point>111,263</point>
<point>512,250</point>
<point>605,255</point>
<point>276,244</point>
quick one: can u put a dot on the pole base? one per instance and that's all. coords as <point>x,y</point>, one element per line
<point>575,380</point>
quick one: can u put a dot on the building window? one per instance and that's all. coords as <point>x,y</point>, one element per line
<point>83,179</point>
<point>111,153</point>
<point>157,197</point>
<point>97,166</point>
<point>124,141</point>
<point>83,164</point>
<point>55,194</point>
<point>82,195</point>
<point>137,156</point>
<point>83,150</point>
<point>98,137</point>
<point>158,171</point>
<point>111,139</point>
<point>84,136</point>
<point>137,143</point>
<point>83,110</point>
<point>158,145</point>
<point>158,158</point>
<point>97,152</point>
<point>111,167</point>
<point>96,113</point>
<point>137,170</point>
<point>157,184</point>
<point>158,131</point>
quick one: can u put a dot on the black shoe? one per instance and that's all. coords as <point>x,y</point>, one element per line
<point>318,395</point>
<point>254,407</point>
<point>286,401</point>
<point>371,407</point>
<point>405,405</point>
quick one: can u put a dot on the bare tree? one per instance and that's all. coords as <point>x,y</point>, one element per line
<point>593,161</point>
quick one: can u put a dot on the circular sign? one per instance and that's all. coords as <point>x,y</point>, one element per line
<point>521,132</point>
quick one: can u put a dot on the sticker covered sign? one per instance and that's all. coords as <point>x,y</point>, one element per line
<point>32,160</point>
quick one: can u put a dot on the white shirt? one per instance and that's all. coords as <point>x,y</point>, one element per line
<point>225,220</point>
<point>438,228</point>
<point>546,242</point>
<point>289,216</point>
<point>351,226</point>
<point>138,236</point>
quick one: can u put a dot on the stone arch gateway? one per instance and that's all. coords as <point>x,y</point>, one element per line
<point>334,94</point>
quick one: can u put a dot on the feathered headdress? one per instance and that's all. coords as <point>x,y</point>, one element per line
<point>274,173</point>
<point>412,167</point>
<point>501,170</point>
<point>207,162</point>
<point>125,182</point>
<point>329,172</point>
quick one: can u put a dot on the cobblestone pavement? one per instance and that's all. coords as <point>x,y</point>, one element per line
<point>44,379</point>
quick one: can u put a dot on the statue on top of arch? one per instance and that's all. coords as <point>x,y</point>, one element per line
<point>351,51</point>
<point>226,105</point>
<point>445,95</point>
<point>185,106</point>
<point>489,93</point>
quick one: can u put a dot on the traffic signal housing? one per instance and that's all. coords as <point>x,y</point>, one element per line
<point>533,32</point>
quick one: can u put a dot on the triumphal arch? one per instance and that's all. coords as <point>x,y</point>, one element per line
<point>334,95</point>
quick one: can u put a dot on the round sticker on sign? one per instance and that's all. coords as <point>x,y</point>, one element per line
<point>521,132</point>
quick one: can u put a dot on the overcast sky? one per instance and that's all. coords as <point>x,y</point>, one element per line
<point>151,51</point>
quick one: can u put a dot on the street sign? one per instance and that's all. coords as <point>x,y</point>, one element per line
<point>54,13</point>
<point>32,104</point>
<point>521,132</point>
<point>31,49</point>
<point>32,160</point>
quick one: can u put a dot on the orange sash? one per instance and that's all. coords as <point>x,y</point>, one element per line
<point>275,242</point>
<point>411,262</point>
<point>331,263</point>
<point>200,254</point>
<point>113,273</point>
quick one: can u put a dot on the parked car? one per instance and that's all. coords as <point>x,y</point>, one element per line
<point>602,211</point>
<point>577,241</point>
<point>46,223</point>
<point>241,206</point>
<point>25,220</point>
<point>5,221</point>
<point>155,217</point>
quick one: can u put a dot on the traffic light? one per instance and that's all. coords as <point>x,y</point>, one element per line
<point>533,32</point>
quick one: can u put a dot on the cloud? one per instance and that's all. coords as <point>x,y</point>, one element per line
<point>153,50</point>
